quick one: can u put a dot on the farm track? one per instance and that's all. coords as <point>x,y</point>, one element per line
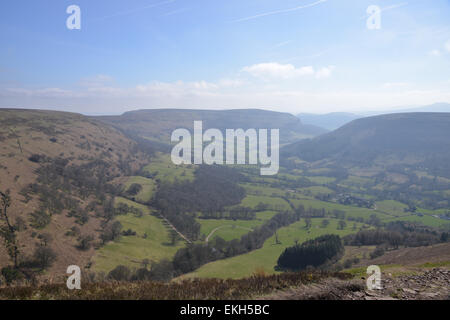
<point>225,226</point>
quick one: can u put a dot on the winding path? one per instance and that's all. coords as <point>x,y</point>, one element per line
<point>225,226</point>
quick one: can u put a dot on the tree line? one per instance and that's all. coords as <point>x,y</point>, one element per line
<point>213,188</point>
<point>317,252</point>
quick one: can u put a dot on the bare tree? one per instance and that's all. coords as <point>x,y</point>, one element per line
<point>277,241</point>
<point>8,231</point>
<point>308,223</point>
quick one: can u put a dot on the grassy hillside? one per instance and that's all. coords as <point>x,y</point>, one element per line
<point>89,152</point>
<point>150,242</point>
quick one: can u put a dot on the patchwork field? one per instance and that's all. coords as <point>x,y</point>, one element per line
<point>265,259</point>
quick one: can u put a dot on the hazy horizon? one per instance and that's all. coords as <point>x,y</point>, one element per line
<point>297,56</point>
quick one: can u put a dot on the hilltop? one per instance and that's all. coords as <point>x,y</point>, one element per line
<point>158,124</point>
<point>335,120</point>
<point>408,137</point>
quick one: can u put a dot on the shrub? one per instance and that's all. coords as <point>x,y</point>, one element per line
<point>44,257</point>
<point>85,242</point>
<point>39,219</point>
<point>378,252</point>
<point>134,189</point>
<point>129,232</point>
<point>120,273</point>
<point>11,274</point>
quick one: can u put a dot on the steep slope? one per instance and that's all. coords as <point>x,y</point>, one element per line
<point>158,124</point>
<point>59,169</point>
<point>401,138</point>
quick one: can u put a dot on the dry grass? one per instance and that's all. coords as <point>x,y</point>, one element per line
<point>196,289</point>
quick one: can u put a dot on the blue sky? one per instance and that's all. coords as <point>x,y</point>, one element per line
<point>290,55</point>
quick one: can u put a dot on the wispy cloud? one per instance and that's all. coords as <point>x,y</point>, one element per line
<point>274,70</point>
<point>281,44</point>
<point>394,6</point>
<point>131,11</point>
<point>173,12</point>
<point>311,56</point>
<point>271,13</point>
<point>447,46</point>
<point>391,7</point>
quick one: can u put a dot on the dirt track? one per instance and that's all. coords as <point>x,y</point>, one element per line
<point>430,285</point>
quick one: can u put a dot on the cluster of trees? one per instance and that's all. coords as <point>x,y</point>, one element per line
<point>22,267</point>
<point>134,189</point>
<point>234,213</point>
<point>111,231</point>
<point>396,234</point>
<point>123,208</point>
<point>59,183</point>
<point>318,252</point>
<point>161,271</point>
<point>213,188</point>
<point>88,179</point>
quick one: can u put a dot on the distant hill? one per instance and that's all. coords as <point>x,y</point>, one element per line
<point>329,121</point>
<point>332,121</point>
<point>436,107</point>
<point>158,124</point>
<point>406,137</point>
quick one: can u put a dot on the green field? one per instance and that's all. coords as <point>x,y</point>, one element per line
<point>266,257</point>
<point>316,190</point>
<point>277,204</point>
<point>351,211</point>
<point>148,188</point>
<point>164,170</point>
<point>232,229</point>
<point>131,250</point>
<point>356,181</point>
<point>260,190</point>
<point>392,207</point>
<point>425,219</point>
<point>321,179</point>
